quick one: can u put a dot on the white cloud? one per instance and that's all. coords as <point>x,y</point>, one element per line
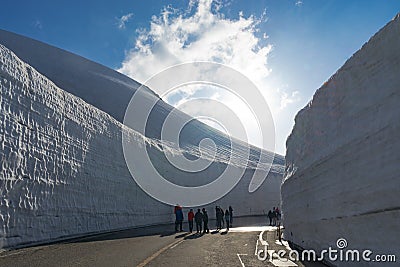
<point>203,33</point>
<point>287,99</point>
<point>175,37</point>
<point>123,20</point>
<point>299,3</point>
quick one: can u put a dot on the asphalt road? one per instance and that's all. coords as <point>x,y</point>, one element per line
<point>156,246</point>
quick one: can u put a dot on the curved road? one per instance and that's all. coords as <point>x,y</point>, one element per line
<point>154,246</point>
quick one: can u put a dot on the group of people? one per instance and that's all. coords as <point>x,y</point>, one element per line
<point>201,219</point>
<point>274,216</point>
<point>220,215</point>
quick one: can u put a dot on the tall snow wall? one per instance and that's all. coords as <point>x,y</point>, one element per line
<point>342,162</point>
<point>63,172</point>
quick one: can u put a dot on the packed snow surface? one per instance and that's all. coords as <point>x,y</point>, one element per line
<point>342,162</point>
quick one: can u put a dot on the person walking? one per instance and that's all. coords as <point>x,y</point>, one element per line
<point>205,221</point>
<point>178,218</point>
<point>231,215</point>
<point>227,218</point>
<point>198,217</point>
<point>190,220</point>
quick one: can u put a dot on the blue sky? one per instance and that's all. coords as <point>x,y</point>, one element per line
<point>289,48</point>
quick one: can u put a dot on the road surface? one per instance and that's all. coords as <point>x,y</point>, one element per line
<point>158,246</point>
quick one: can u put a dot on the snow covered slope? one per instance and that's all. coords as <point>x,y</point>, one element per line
<point>109,90</point>
<point>97,85</point>
<point>63,171</point>
<point>343,155</point>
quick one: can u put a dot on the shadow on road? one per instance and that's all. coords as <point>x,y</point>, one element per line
<point>181,235</point>
<point>161,230</point>
<point>193,236</point>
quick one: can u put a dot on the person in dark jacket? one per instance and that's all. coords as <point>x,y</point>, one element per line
<point>178,218</point>
<point>270,217</point>
<point>273,216</point>
<point>278,214</point>
<point>205,221</point>
<point>231,215</point>
<point>221,211</point>
<point>218,217</point>
<point>198,217</point>
<point>227,218</point>
<point>190,220</point>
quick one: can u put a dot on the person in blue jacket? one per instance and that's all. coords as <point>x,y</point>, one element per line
<point>178,218</point>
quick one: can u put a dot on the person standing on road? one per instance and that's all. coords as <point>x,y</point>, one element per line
<point>274,215</point>
<point>218,217</point>
<point>278,214</point>
<point>198,217</point>
<point>178,218</point>
<point>227,218</point>
<point>270,217</point>
<point>205,220</point>
<point>190,220</point>
<point>231,215</point>
<point>221,212</point>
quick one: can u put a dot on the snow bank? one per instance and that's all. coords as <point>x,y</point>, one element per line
<point>342,161</point>
<point>62,173</point>
<point>62,167</point>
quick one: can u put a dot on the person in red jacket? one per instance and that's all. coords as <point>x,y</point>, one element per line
<point>190,219</point>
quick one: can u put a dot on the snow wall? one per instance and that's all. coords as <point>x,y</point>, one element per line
<point>63,172</point>
<point>342,162</point>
